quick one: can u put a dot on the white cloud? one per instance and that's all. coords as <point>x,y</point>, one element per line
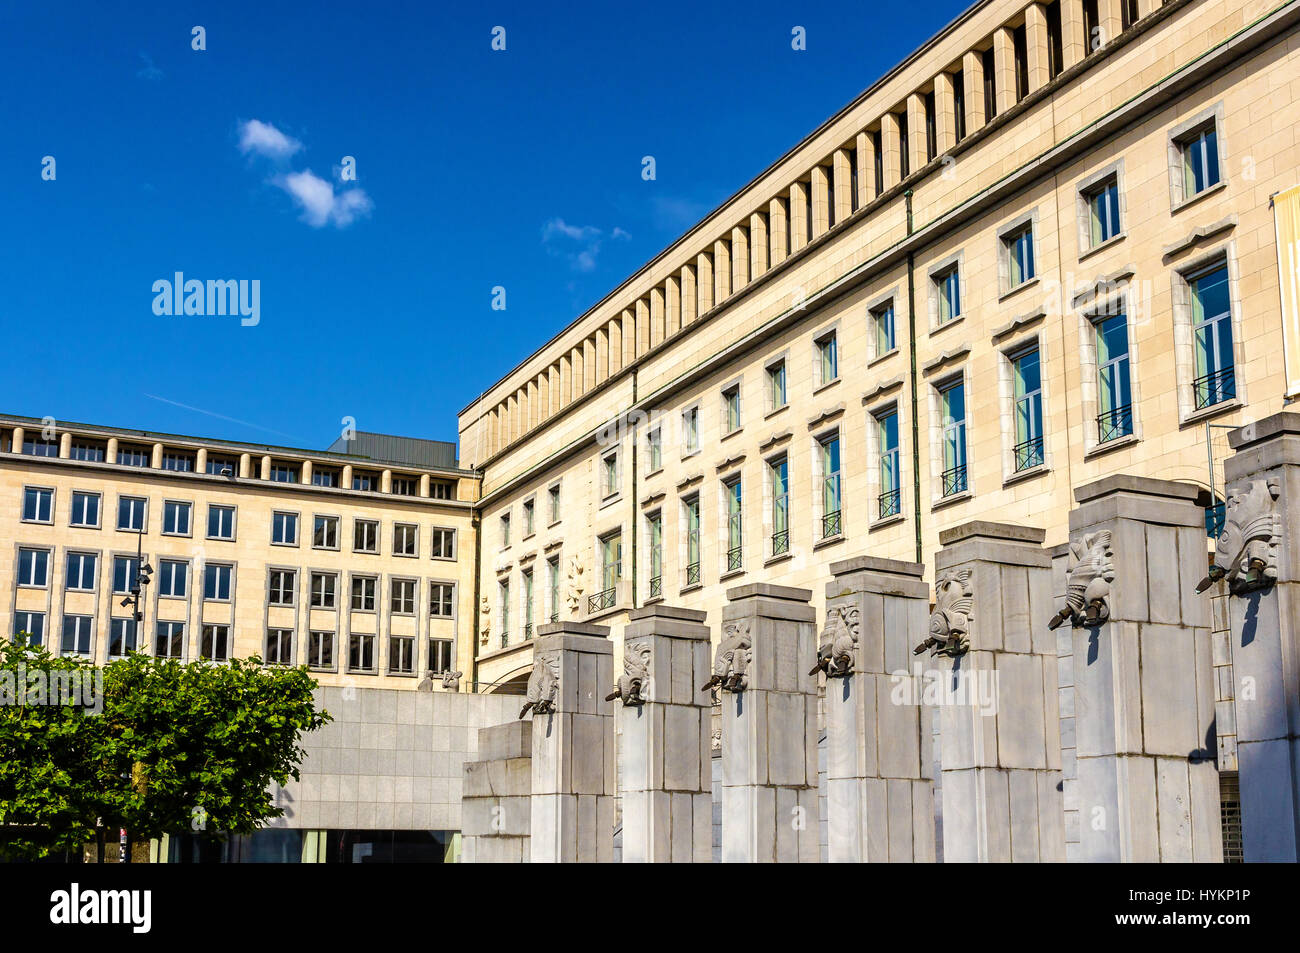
<point>320,204</point>
<point>265,140</point>
<point>578,243</point>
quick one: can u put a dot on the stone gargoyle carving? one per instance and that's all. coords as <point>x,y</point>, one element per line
<point>576,585</point>
<point>731,664</point>
<point>484,620</point>
<point>543,685</point>
<point>451,680</point>
<point>635,679</point>
<point>1246,554</point>
<point>1089,571</point>
<point>951,618</point>
<point>839,647</point>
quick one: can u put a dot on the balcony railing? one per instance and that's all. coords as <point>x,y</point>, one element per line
<point>656,587</point>
<point>555,615</point>
<point>1029,453</point>
<point>733,558</point>
<point>954,480</point>
<point>528,630</point>
<point>598,601</point>
<point>693,574</point>
<point>781,542</point>
<point>505,640</point>
<point>1214,388</point>
<point>891,503</point>
<point>831,525</point>
<point>1115,423</point>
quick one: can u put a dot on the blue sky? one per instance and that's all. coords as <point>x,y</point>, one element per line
<point>474,169</point>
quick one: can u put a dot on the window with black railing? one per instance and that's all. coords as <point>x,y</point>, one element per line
<point>693,574</point>
<point>505,640</point>
<point>954,480</point>
<point>781,542</point>
<point>1029,453</point>
<point>528,630</point>
<point>733,558</point>
<point>1215,387</point>
<point>1116,423</point>
<point>656,587</point>
<point>891,503</point>
<point>599,601</point>
<point>831,524</point>
<point>555,615</point>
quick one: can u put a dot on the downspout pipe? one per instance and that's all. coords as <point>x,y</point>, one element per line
<point>911,350</point>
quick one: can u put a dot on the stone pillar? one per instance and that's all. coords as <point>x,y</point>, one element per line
<point>1259,556</point>
<point>573,775</point>
<point>879,780</point>
<point>1000,734</point>
<point>666,724</point>
<point>495,809</point>
<point>769,725</point>
<point>1144,700</point>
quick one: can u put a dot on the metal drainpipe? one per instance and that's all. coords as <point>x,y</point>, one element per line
<point>632,452</point>
<point>911,347</point>
<point>475,522</point>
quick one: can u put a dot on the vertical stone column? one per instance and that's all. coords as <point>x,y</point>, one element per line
<point>879,780</point>
<point>769,725</point>
<point>1258,555</point>
<point>1143,693</point>
<point>1000,735</point>
<point>573,775</point>
<point>972,71</point>
<point>665,718</point>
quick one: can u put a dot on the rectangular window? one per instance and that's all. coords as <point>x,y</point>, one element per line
<point>125,570</point>
<point>611,564</point>
<point>609,474</point>
<point>853,183</point>
<point>1215,379</point>
<point>779,474</point>
<point>128,456</point>
<point>31,625</point>
<point>931,134</point>
<point>280,587</point>
<point>553,581</point>
<point>35,446</point>
<point>691,430</point>
<point>85,509</point>
<point>323,586</point>
<point>554,495</point>
<point>989,70</point>
<point>959,104</point>
<point>1055,50</point>
<point>505,529</point>
<point>503,602</point>
<point>654,526</point>
<point>442,600</point>
<point>444,543</point>
<point>81,571</point>
<point>34,567</point>
<point>363,593</point>
<point>178,461</point>
<point>735,524</point>
<point>223,466</point>
<point>947,286</point>
<point>77,632</point>
<point>526,577</point>
<point>832,502</point>
<point>401,654</point>
<point>169,640</point>
<point>365,480</point>
<point>877,150</point>
<point>284,473</point>
<point>92,452</point>
<point>654,450</point>
<point>1128,13</point>
<point>320,650</point>
<point>284,529</point>
<point>442,489</point>
<point>882,327</point>
<point>221,522</point>
<point>1114,397</point>
<point>1028,411</point>
<point>776,385</point>
<point>279,646</point>
<point>731,409</point>
<point>828,362</point>
<point>904,147</point>
<point>361,653</point>
<point>214,643</point>
<point>1103,212</point>
<point>691,518</point>
<point>401,599</point>
<point>325,532</point>
<point>1091,27</point>
<point>38,505</point>
<point>365,536</point>
<point>440,655</point>
<point>406,539</point>
<point>324,476</point>
<point>131,513</point>
<point>890,499</point>
<point>530,518</point>
<point>1200,156</point>
<point>217,582</point>
<point>952,418</point>
<point>173,578</point>
<point>406,486</point>
<point>176,518</point>
<point>121,637</point>
<point>1020,50</point>
<point>1019,247</point>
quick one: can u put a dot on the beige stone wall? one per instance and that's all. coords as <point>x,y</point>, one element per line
<point>251,553</point>
<point>1027,165</point>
